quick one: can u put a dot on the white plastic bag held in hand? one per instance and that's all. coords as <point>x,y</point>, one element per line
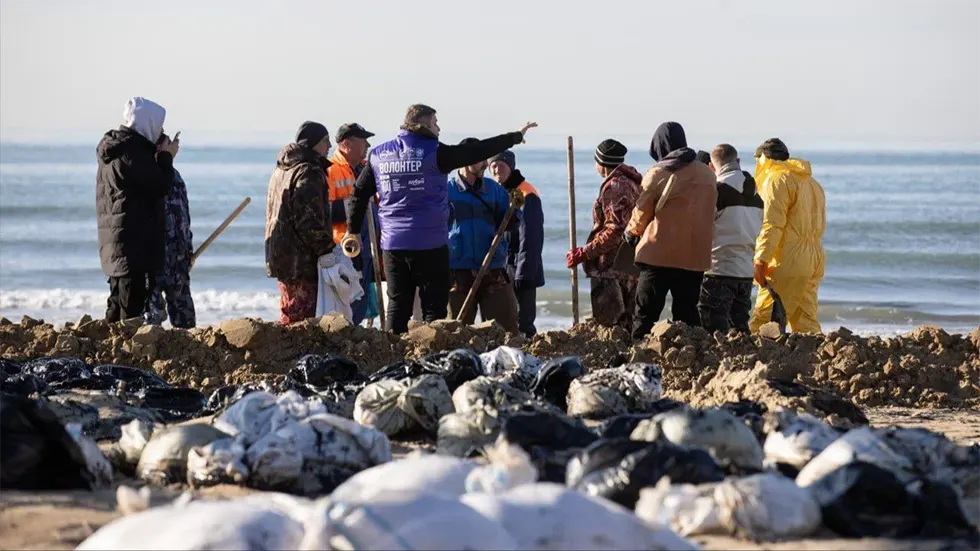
<point>339,284</point>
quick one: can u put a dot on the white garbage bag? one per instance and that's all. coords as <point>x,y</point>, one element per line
<point>796,438</point>
<point>630,388</point>
<point>514,364</point>
<point>95,461</point>
<point>394,407</point>
<point>262,522</point>
<point>492,392</point>
<point>339,285</point>
<point>135,435</point>
<point>434,474</point>
<point>547,516</point>
<point>762,507</point>
<point>856,445</point>
<point>463,433</point>
<point>715,430</point>
<point>403,520</point>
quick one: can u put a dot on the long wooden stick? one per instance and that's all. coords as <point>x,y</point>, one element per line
<point>214,235</point>
<point>571,226</point>
<point>516,202</point>
<point>376,260</point>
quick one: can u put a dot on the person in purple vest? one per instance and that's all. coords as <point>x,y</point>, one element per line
<point>410,175</point>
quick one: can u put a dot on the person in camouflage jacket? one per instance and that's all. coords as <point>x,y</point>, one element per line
<point>171,288</point>
<point>297,223</point>
<point>613,291</point>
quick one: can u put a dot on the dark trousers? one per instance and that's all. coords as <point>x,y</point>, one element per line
<point>527,310</point>
<point>406,271</point>
<point>495,298</point>
<point>655,282</point>
<point>127,297</point>
<point>725,303</point>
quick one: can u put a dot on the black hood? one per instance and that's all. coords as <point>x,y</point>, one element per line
<point>294,154</point>
<point>115,142</point>
<point>669,147</point>
<point>515,179</point>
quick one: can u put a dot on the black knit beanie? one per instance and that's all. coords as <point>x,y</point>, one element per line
<point>311,133</point>
<point>507,157</point>
<point>610,153</point>
<point>773,148</point>
<point>704,157</point>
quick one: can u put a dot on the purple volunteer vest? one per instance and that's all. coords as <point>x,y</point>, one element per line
<point>413,207</point>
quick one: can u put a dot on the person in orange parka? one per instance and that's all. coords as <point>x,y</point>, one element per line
<point>346,163</point>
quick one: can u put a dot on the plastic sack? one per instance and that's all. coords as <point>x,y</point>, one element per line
<point>95,461</point>
<point>551,439</point>
<point>546,516</point>
<point>220,462</point>
<point>433,474</point>
<point>23,384</point>
<point>621,426</point>
<point>56,370</point>
<point>554,378</point>
<point>179,402</point>
<point>134,378</point>
<point>227,395</point>
<point>462,434</point>
<point>937,456</point>
<point>796,438</point>
<point>518,366</point>
<point>856,445</point>
<point>618,469</point>
<point>862,499</point>
<point>492,392</point>
<point>321,370</point>
<point>135,435</point>
<point>456,367</point>
<point>36,452</point>
<point>338,286</point>
<point>762,507</point>
<point>253,522</point>
<point>613,391</point>
<point>394,407</point>
<point>730,442</point>
<point>164,457</point>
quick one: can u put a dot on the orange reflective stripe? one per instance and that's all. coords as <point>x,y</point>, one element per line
<point>527,189</point>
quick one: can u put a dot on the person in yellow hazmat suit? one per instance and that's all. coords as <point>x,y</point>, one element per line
<point>789,254</point>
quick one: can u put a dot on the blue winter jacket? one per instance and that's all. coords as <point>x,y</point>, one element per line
<point>474,215</point>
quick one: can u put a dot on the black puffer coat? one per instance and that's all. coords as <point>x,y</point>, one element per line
<point>130,187</point>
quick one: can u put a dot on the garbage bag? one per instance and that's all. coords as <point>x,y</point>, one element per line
<point>323,369</point>
<point>339,398</point>
<point>551,439</point>
<point>494,392</point>
<point>135,435</point>
<point>23,384</point>
<point>729,441</point>
<point>394,407</point>
<point>434,474</point>
<point>134,378</point>
<point>164,457</point>
<point>547,516</point>
<point>180,402</point>
<point>751,414</point>
<point>464,433</point>
<point>856,445</point>
<point>36,452</point>
<point>631,388</point>
<point>795,438</point>
<point>456,367</point>
<point>102,415</point>
<point>254,522</point>
<point>227,395</point>
<point>220,462</point>
<point>762,507</point>
<point>406,520</point>
<point>621,426</point>
<point>95,460</point>
<point>518,367</point>
<point>862,499</point>
<point>936,456</point>
<point>554,378</point>
<point>618,469</point>
<point>55,370</point>
<point>9,367</point>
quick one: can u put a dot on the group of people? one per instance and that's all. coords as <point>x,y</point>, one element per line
<point>695,226</point>
<point>702,230</point>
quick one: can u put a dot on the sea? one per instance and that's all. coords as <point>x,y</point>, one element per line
<point>902,240</point>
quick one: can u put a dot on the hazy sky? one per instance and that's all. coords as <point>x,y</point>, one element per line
<point>817,73</point>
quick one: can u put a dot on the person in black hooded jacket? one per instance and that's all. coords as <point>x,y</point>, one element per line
<point>134,176</point>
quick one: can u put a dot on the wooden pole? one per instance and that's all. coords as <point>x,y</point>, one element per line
<point>214,235</point>
<point>516,202</point>
<point>571,226</point>
<point>376,260</point>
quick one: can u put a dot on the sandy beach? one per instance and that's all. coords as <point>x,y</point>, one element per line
<point>926,379</point>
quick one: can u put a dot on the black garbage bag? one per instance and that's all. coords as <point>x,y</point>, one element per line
<point>824,401</point>
<point>23,384</point>
<point>55,370</point>
<point>36,453</point>
<point>456,367</point>
<point>9,367</point>
<point>228,395</point>
<point>750,413</point>
<point>862,500</point>
<point>134,378</point>
<point>621,426</point>
<point>549,438</point>
<point>554,378</point>
<point>179,402</point>
<point>618,469</point>
<point>323,369</point>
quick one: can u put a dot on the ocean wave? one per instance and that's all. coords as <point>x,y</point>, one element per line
<point>209,300</point>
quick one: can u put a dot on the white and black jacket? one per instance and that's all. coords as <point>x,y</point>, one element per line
<point>737,224</point>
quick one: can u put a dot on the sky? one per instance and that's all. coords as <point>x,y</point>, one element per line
<point>819,74</point>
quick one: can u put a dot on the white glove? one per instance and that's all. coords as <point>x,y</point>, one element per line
<point>327,261</point>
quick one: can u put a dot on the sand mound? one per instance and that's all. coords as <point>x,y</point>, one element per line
<point>927,368</point>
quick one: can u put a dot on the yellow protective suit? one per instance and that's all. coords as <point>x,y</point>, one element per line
<point>793,223</point>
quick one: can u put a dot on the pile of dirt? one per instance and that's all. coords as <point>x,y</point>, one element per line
<point>927,368</point>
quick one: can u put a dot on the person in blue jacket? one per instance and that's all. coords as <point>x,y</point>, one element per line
<point>526,241</point>
<point>477,207</point>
